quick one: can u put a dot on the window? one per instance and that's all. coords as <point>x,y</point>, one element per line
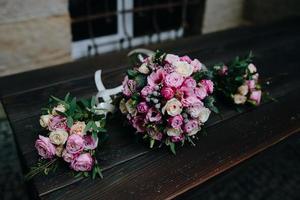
<point>100,26</point>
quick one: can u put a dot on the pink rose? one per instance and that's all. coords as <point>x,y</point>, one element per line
<point>200,92</point>
<point>251,84</point>
<point>178,138</point>
<point>223,70</point>
<point>209,86</point>
<point>174,80</point>
<point>170,58</point>
<point>191,100</point>
<point>191,127</point>
<point>190,83</point>
<point>147,90</point>
<point>68,157</point>
<point>169,68</point>
<point>187,91</point>
<point>58,123</point>
<point>167,93</point>
<point>90,142</point>
<point>129,86</point>
<point>255,77</point>
<point>44,147</point>
<point>84,162</point>
<point>186,59</point>
<point>75,144</point>
<point>256,96</point>
<point>138,122</point>
<point>153,115</point>
<point>142,107</point>
<point>175,121</point>
<point>197,65</point>
<point>156,78</point>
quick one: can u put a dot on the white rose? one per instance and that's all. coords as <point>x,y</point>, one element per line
<point>243,90</point>
<point>144,69</point>
<point>122,106</point>
<point>252,68</point>
<point>58,150</point>
<point>239,99</point>
<point>203,115</point>
<point>78,128</point>
<point>58,137</point>
<point>173,131</point>
<point>183,68</point>
<point>173,107</point>
<point>44,120</point>
<point>194,110</point>
<point>60,108</point>
<point>131,108</point>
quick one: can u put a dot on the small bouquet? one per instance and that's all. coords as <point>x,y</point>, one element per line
<point>167,98</point>
<point>238,81</point>
<point>73,132</point>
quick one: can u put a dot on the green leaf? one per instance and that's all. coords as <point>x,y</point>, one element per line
<point>93,101</point>
<point>140,80</point>
<point>86,174</point>
<point>56,99</point>
<point>67,97</point>
<point>88,126</point>
<point>72,106</point>
<point>70,121</point>
<point>78,175</point>
<point>172,147</point>
<point>132,73</point>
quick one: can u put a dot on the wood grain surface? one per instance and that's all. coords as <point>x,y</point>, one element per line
<point>131,170</point>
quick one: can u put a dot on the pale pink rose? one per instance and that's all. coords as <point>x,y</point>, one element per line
<point>191,100</point>
<point>191,127</point>
<point>129,86</point>
<point>58,123</point>
<point>167,93</point>
<point>255,96</point>
<point>147,90</point>
<point>138,122</point>
<point>223,70</point>
<point>75,144</point>
<point>78,128</point>
<point>156,78</point>
<point>209,86</point>
<point>190,83</point>
<point>194,110</point>
<point>44,147</point>
<point>171,58</point>
<point>197,65</point>
<point>82,163</point>
<point>154,133</point>
<point>173,107</point>
<point>200,92</point>
<point>178,138</point>
<point>251,84</point>
<point>186,59</point>
<point>90,142</point>
<point>174,80</point>
<point>153,115</point>
<point>68,157</point>
<point>175,121</point>
<point>142,107</point>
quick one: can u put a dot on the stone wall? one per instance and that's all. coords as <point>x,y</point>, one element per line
<point>33,34</point>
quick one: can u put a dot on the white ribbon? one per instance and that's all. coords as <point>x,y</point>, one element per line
<point>106,106</point>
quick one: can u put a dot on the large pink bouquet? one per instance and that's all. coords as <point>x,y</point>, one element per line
<point>166,98</point>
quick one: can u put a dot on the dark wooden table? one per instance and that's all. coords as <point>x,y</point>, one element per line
<point>131,170</point>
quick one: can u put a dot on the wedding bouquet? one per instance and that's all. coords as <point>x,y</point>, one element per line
<point>238,81</point>
<point>73,129</point>
<point>167,98</point>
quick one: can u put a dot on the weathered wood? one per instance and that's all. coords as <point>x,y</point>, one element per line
<point>273,47</point>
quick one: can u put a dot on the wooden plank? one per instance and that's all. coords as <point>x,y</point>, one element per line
<point>84,87</point>
<point>160,175</point>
